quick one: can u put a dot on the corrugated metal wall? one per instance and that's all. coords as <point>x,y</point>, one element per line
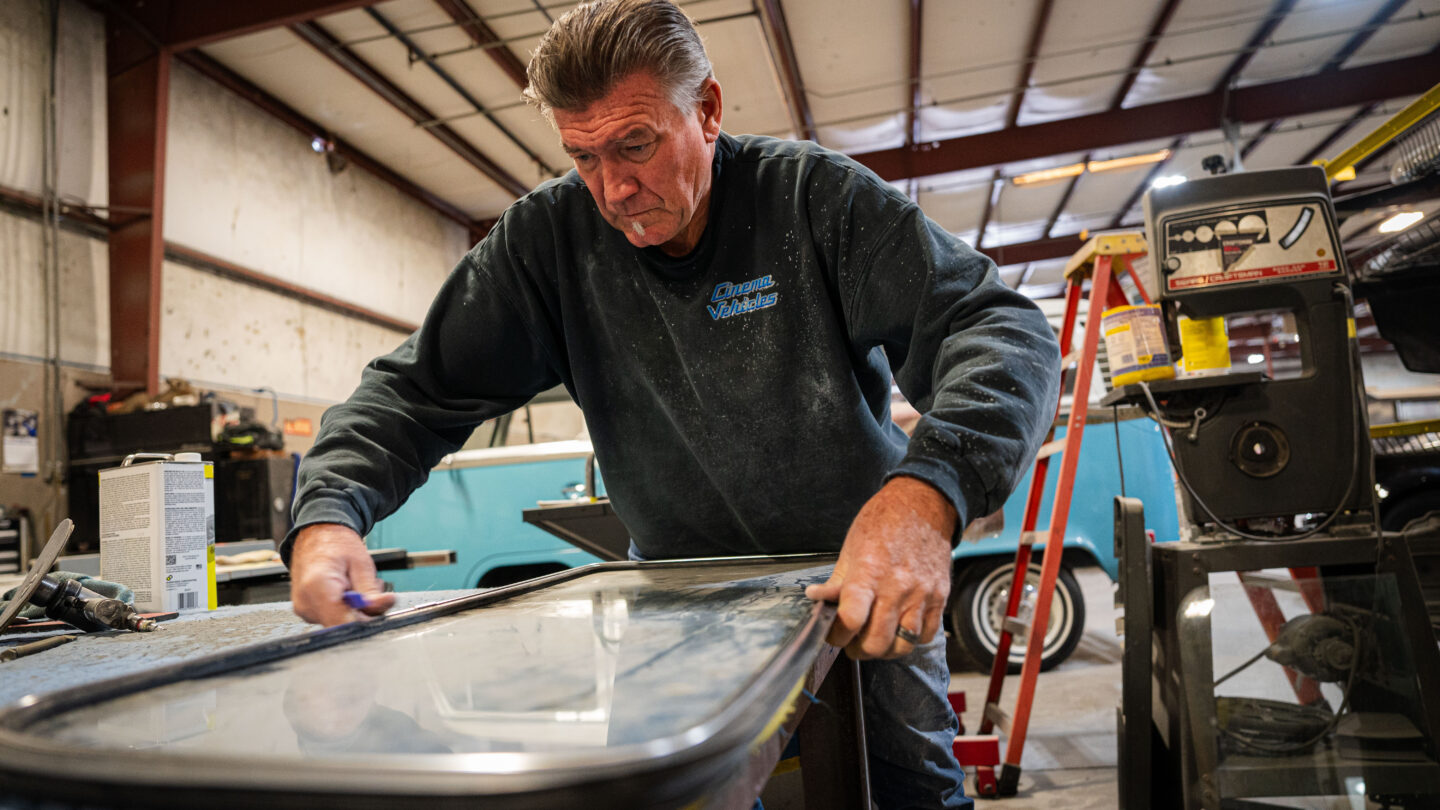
<point>239,186</point>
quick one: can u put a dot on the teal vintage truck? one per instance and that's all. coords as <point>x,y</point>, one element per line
<point>473,502</point>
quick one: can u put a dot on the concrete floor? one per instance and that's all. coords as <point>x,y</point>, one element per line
<point>1070,752</point>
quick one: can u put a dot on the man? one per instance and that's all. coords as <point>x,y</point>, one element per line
<point>728,312</point>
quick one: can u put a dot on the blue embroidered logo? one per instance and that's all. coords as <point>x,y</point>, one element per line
<point>736,299</point>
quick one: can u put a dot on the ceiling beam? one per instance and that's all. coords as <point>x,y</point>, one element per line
<point>1064,201</point>
<point>485,37</point>
<point>1142,58</point>
<point>1255,140</point>
<point>1319,149</point>
<point>1117,101</point>
<point>1376,21</point>
<point>181,25</point>
<point>1150,176</point>
<point>1335,62</point>
<point>1386,150</point>
<point>242,87</point>
<point>1032,54</point>
<point>1384,194</point>
<point>352,63</point>
<point>1219,96</point>
<point>450,81</point>
<point>1257,41</point>
<point>772,19</point>
<point>1166,119</point>
<point>1027,70</point>
<point>991,199</point>
<point>1039,250</point>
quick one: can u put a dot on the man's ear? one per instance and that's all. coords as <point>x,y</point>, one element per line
<point>710,109</point>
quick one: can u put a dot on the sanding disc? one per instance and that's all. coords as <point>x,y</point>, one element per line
<point>38,570</point>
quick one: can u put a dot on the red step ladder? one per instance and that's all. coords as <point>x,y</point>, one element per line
<point>1100,261</point>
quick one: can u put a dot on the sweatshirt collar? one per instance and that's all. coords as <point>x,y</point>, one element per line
<point>692,263</point>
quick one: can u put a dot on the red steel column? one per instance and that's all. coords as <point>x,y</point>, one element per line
<point>138,95</point>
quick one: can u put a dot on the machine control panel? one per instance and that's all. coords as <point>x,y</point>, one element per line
<point>1248,244</point>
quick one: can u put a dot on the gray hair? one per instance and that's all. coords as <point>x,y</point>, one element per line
<point>598,44</point>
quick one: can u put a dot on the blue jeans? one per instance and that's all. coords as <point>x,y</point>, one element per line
<point>909,730</point>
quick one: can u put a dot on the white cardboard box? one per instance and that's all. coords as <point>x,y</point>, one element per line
<point>157,532</point>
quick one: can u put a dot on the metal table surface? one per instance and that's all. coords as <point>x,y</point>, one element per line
<point>96,656</point>
<point>639,679</point>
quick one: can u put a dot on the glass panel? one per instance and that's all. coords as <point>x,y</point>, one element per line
<point>608,659</point>
<point>1285,702</point>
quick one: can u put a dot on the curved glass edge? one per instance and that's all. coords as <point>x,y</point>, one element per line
<point>418,776</point>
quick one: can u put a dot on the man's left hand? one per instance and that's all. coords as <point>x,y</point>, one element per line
<point>893,571</point>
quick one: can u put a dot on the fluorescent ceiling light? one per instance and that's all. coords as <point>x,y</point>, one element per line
<point>1048,175</point>
<point>1401,221</point>
<point>1128,162</point>
<point>1255,358</point>
<point>1168,180</point>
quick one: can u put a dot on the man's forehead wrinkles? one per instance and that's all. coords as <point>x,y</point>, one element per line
<point>577,139</point>
<point>611,119</point>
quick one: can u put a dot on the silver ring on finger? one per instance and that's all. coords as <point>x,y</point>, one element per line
<point>906,634</point>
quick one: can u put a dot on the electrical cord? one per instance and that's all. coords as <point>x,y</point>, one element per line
<point>1358,372</point>
<point>1356,403</point>
<point>1292,748</point>
<point>1119,456</point>
<point>1185,482</point>
<point>1237,670</point>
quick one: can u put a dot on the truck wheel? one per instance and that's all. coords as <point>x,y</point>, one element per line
<point>977,610</point>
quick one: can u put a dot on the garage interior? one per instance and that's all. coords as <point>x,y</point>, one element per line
<point>213,215</point>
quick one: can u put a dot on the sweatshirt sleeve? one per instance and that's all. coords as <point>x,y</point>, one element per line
<point>976,358</point>
<point>473,358</point>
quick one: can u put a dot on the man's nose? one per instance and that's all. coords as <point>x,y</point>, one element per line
<point>619,179</point>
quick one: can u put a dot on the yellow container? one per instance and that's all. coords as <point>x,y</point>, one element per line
<point>1204,346</point>
<point>1135,343</point>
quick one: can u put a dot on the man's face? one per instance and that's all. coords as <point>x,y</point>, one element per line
<point>646,162</point>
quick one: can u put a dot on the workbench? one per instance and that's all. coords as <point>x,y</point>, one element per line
<point>257,582</point>
<point>448,717</point>
<point>96,656</point>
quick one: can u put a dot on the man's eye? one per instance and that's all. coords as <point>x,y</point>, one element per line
<point>583,160</point>
<point>639,151</point>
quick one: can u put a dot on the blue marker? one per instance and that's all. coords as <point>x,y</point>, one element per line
<point>355,599</point>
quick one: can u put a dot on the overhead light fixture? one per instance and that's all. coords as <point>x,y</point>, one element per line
<point>1128,162</point>
<point>1255,359</point>
<point>1168,180</point>
<point>1048,175</point>
<point>1401,221</point>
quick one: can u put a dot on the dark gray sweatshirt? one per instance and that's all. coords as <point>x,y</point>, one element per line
<point>738,398</point>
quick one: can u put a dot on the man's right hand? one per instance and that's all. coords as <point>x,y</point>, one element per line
<point>327,560</point>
